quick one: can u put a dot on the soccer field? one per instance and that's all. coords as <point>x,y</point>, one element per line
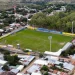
<point>37,41</point>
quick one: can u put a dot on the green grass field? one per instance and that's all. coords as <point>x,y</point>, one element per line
<point>37,41</point>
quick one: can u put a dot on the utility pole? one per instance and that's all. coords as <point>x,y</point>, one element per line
<point>72,26</point>
<point>50,37</point>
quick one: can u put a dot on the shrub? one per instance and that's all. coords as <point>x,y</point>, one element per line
<point>45,68</point>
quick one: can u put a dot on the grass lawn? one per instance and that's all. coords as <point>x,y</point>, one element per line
<point>37,41</point>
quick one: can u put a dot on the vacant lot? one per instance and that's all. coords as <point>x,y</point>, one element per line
<point>37,41</point>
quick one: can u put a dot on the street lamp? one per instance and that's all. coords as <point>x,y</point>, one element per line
<point>50,37</point>
<point>72,27</point>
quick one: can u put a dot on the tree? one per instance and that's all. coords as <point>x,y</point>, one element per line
<point>24,19</point>
<point>6,53</point>
<point>12,60</point>
<point>5,57</point>
<point>16,59</point>
<point>63,54</point>
<point>17,20</point>
<point>46,73</point>
<point>60,22</point>
<point>61,15</point>
<point>40,55</point>
<point>5,67</point>
<point>39,19</point>
<point>30,16</point>
<point>32,11</point>
<point>61,65</point>
<point>45,68</point>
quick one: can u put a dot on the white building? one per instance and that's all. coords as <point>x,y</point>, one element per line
<point>2,62</point>
<point>22,74</point>
<point>41,62</point>
<point>34,73</point>
<point>63,8</point>
<point>20,67</point>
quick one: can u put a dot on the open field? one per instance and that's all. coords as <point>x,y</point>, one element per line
<point>37,41</point>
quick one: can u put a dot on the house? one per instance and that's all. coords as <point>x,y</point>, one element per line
<point>26,59</point>
<point>1,30</point>
<point>1,56</point>
<point>41,62</point>
<point>20,67</point>
<point>2,62</point>
<point>1,69</point>
<point>34,68</point>
<point>36,73</point>
<point>7,73</point>
<point>15,71</point>
<point>22,74</point>
<point>68,66</point>
<point>1,23</point>
<point>63,8</point>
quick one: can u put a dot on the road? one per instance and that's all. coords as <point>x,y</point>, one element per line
<point>14,31</point>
